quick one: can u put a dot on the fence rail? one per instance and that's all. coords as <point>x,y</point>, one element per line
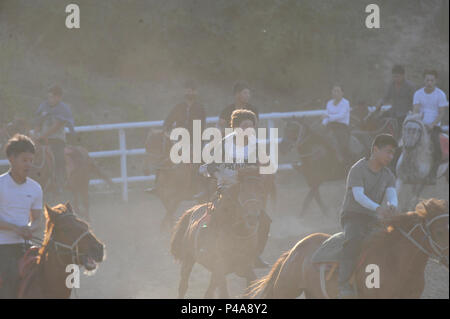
<point>123,152</point>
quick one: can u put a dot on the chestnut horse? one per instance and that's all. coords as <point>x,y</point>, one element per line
<point>67,240</point>
<point>221,235</point>
<point>401,251</point>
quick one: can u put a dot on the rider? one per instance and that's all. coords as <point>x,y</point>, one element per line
<point>51,118</point>
<point>20,201</point>
<point>367,183</point>
<point>431,102</point>
<point>183,115</point>
<point>244,119</point>
<point>400,94</point>
<point>242,95</point>
<point>337,121</point>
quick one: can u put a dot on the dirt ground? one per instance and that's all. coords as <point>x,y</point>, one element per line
<point>139,265</point>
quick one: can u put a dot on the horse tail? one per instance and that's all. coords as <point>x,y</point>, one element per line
<point>178,232</point>
<point>262,288</point>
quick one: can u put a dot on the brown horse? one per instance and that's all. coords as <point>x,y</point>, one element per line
<point>68,240</point>
<point>221,235</point>
<point>175,183</point>
<point>80,168</point>
<point>401,251</point>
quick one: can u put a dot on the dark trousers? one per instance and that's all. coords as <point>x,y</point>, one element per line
<point>356,230</point>
<point>437,153</point>
<point>57,146</point>
<point>9,272</point>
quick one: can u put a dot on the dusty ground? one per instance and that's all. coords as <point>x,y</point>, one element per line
<point>138,263</point>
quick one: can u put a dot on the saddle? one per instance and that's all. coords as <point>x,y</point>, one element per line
<point>28,265</point>
<point>326,259</point>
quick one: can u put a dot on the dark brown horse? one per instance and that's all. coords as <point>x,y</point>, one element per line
<point>400,250</point>
<point>80,168</point>
<point>319,162</point>
<point>68,240</point>
<point>175,183</point>
<point>221,235</point>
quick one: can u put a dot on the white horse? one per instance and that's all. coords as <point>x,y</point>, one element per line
<point>415,162</point>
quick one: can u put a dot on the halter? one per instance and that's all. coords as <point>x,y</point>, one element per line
<point>73,248</point>
<point>436,250</point>
<point>422,128</point>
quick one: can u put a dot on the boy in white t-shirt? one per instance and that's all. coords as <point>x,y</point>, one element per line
<point>20,199</point>
<point>431,102</point>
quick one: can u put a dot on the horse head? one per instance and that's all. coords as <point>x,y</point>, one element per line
<point>414,131</point>
<point>244,201</point>
<point>71,238</point>
<point>295,132</point>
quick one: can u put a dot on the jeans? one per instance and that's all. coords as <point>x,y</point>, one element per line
<point>356,230</point>
<point>10,255</point>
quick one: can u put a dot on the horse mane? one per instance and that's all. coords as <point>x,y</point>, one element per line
<point>426,209</point>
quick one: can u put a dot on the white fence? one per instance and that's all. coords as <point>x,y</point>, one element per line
<point>123,152</point>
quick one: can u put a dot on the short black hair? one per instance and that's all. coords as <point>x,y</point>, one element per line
<point>430,72</point>
<point>240,115</point>
<point>55,90</point>
<point>19,144</point>
<point>398,69</point>
<point>239,86</point>
<point>383,140</point>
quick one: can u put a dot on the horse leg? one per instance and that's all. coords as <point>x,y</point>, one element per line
<point>316,194</point>
<point>223,287</point>
<point>186,269</point>
<point>171,207</point>
<point>306,202</point>
<point>212,286</point>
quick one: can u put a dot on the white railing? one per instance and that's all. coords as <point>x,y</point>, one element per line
<point>123,152</point>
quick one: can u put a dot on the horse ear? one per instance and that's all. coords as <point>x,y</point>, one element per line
<point>69,207</point>
<point>50,214</point>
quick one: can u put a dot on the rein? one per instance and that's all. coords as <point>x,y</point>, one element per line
<point>436,251</point>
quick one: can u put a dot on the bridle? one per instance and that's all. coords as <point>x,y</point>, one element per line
<point>72,249</point>
<point>421,131</point>
<point>435,253</point>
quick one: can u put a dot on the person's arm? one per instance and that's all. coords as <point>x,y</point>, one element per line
<point>223,121</point>
<point>171,118</point>
<point>35,219</point>
<point>391,197</point>
<point>442,103</point>
<point>416,103</point>
<point>363,200</point>
<point>57,126</point>
<point>387,97</point>
<point>341,115</point>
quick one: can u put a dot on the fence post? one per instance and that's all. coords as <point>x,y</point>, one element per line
<point>123,163</point>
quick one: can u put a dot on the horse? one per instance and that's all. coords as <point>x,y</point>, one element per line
<point>319,162</point>
<point>67,240</point>
<point>416,159</point>
<point>80,168</point>
<point>221,235</point>
<point>175,183</point>
<point>400,251</point>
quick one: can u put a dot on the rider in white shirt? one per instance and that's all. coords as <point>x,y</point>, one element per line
<point>337,121</point>
<point>20,201</point>
<point>431,102</point>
